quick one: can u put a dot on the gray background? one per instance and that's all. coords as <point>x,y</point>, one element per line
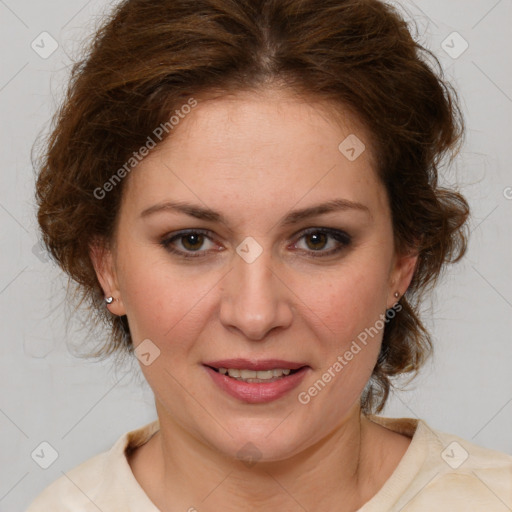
<point>81,407</point>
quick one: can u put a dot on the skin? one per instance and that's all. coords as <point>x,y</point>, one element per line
<point>254,158</point>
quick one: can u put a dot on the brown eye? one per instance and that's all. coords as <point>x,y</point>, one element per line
<point>189,244</point>
<point>318,240</point>
<point>192,241</point>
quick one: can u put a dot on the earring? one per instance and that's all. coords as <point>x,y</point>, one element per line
<point>397,295</point>
<point>109,300</point>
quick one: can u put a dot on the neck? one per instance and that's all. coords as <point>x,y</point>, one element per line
<point>188,474</point>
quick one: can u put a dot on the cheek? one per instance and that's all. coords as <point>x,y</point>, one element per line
<point>347,302</point>
<point>161,302</point>
<point>349,338</point>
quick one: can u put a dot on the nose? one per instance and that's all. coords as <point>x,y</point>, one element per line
<point>255,299</point>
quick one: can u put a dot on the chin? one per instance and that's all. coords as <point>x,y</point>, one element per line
<point>260,440</point>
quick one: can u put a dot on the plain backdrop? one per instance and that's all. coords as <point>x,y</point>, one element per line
<point>81,407</point>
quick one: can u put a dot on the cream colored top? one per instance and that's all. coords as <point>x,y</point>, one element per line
<point>439,472</point>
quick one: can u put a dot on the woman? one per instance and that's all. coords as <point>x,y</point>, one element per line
<point>246,192</point>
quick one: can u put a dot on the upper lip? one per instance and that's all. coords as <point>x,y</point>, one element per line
<point>252,364</point>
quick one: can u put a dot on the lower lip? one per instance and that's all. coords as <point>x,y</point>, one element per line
<point>257,392</point>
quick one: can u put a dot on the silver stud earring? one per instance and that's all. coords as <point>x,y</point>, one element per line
<point>109,300</point>
<point>397,295</point>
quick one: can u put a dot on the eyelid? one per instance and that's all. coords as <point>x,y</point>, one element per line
<point>341,237</point>
<point>167,241</point>
<point>333,232</point>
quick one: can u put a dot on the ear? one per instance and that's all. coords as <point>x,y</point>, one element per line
<point>401,275</point>
<point>103,262</point>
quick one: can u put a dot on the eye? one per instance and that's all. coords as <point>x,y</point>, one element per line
<point>317,239</point>
<point>191,241</point>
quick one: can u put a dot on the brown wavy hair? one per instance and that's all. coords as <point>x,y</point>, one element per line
<point>148,57</point>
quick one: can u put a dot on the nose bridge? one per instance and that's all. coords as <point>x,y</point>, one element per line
<point>254,300</point>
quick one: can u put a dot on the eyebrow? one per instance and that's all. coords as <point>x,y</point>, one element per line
<point>293,217</point>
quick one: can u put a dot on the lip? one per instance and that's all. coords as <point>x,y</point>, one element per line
<point>252,364</point>
<point>257,392</point>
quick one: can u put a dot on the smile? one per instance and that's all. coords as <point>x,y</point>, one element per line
<point>257,385</point>
<point>256,376</point>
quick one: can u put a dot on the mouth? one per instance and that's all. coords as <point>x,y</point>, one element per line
<point>256,381</point>
<point>249,370</point>
<point>258,376</point>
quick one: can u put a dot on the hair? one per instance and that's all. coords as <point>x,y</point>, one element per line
<point>148,58</point>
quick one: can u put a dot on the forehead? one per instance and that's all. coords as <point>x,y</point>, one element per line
<point>258,121</point>
<point>257,148</point>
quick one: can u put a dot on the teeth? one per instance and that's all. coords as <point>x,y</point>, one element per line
<point>252,374</point>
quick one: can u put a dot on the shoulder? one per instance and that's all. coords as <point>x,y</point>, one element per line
<point>445,471</point>
<point>74,490</point>
<point>459,454</point>
<point>469,472</point>
<point>103,482</point>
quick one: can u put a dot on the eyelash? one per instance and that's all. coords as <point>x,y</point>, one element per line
<point>341,237</point>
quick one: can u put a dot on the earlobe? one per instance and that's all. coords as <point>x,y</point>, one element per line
<point>102,260</point>
<point>403,273</point>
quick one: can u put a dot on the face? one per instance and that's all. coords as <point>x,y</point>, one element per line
<point>237,273</point>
